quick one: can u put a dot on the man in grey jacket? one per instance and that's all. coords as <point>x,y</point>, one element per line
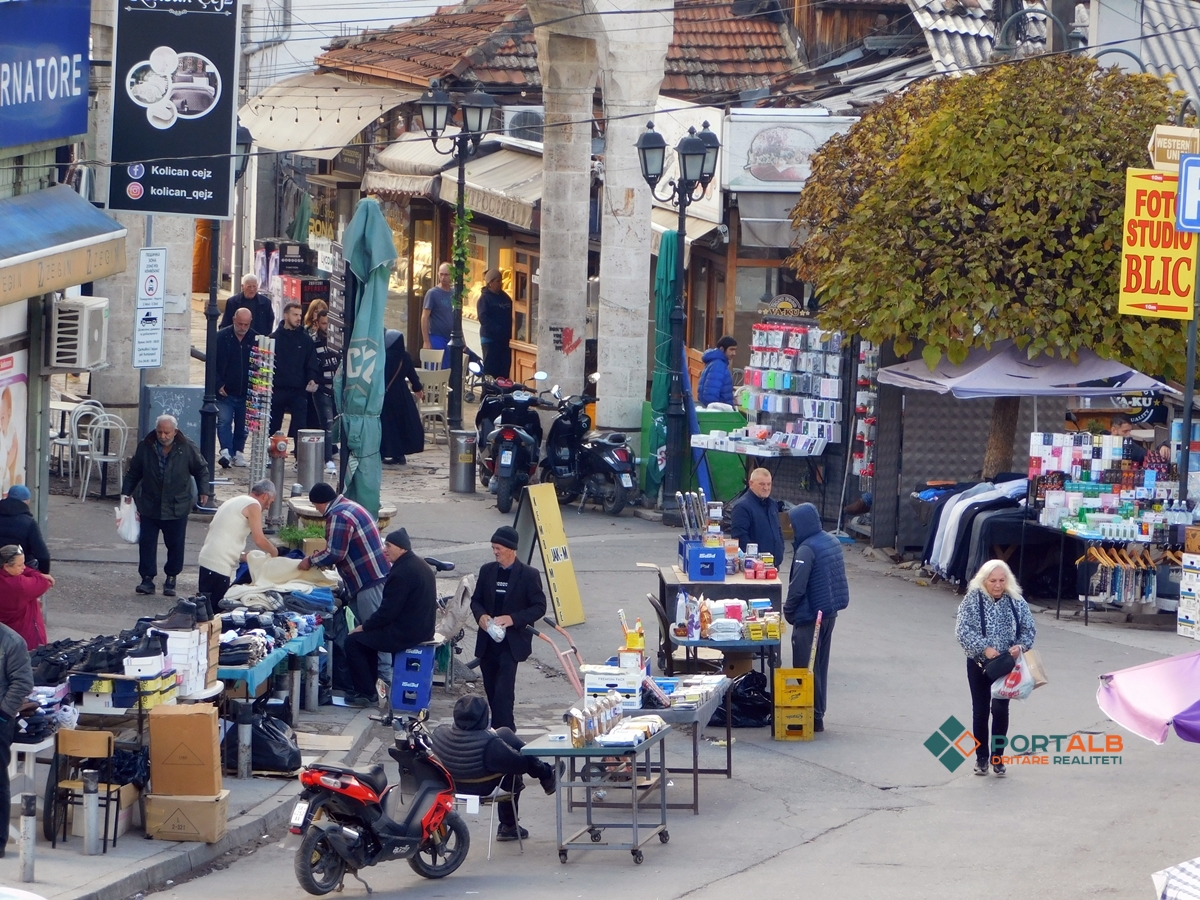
<point>16,681</point>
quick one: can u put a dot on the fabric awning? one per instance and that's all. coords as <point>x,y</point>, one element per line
<point>505,185</point>
<point>411,165</point>
<point>317,115</point>
<point>54,239</point>
<point>391,183</point>
<point>766,219</point>
<point>663,220</point>
<point>1006,371</point>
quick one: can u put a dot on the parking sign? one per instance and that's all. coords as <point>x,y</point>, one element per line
<point>1187,207</point>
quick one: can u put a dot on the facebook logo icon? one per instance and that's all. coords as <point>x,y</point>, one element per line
<point>1187,204</point>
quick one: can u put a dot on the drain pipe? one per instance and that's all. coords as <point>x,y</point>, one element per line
<point>280,36</point>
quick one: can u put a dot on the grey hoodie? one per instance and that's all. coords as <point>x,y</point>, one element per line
<point>16,676</point>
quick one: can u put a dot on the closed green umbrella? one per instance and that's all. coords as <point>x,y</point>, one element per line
<point>369,250</point>
<point>664,302</point>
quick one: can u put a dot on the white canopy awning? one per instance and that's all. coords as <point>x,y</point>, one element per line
<point>505,185</point>
<point>317,115</point>
<point>664,220</point>
<point>1006,371</point>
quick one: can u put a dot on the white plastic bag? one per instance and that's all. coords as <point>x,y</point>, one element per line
<point>127,521</point>
<point>1017,684</point>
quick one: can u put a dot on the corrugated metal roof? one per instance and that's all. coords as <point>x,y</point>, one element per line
<point>961,33</point>
<point>1166,48</point>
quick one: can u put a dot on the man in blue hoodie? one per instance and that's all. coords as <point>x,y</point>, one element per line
<point>818,584</point>
<point>716,381</point>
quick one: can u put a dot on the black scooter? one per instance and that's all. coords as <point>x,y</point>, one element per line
<point>580,461</point>
<point>513,443</point>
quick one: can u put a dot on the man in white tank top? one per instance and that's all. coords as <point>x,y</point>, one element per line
<point>237,519</point>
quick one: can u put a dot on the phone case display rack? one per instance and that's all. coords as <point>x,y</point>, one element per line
<point>794,377</point>
<point>258,405</point>
<point>866,394</point>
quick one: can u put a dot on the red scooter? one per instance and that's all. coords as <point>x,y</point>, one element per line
<point>351,818</point>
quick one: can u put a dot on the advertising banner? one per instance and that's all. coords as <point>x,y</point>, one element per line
<point>1158,263</point>
<point>43,70</point>
<point>174,116</point>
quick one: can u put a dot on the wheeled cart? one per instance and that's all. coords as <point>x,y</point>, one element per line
<point>612,769</point>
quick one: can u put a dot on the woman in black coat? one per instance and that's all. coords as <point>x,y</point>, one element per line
<point>402,430</point>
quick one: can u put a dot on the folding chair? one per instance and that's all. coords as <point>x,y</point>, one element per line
<point>499,794</point>
<point>77,750</point>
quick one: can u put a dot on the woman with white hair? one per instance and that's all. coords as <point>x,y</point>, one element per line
<point>993,622</point>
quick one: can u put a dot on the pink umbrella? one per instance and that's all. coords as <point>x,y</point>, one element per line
<point>1148,698</point>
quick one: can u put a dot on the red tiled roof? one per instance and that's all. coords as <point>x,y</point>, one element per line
<point>712,52</point>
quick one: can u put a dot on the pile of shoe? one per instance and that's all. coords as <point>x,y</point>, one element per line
<point>33,727</point>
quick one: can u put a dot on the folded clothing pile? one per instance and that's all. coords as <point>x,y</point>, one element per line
<point>244,650</point>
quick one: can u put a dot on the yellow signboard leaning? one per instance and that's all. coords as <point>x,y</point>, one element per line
<point>538,519</point>
<point>1158,263</point>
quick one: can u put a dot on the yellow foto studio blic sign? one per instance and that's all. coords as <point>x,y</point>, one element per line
<point>1158,263</point>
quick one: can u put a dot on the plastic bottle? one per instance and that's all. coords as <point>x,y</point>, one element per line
<point>681,608</point>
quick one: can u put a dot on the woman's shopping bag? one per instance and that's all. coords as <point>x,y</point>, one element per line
<point>1033,659</point>
<point>1016,685</point>
<point>127,521</point>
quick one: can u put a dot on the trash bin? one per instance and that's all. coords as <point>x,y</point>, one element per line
<point>462,462</point>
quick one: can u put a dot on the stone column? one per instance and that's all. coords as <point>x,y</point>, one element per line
<point>568,67</point>
<point>633,58</point>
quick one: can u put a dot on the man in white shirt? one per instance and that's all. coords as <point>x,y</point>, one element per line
<point>237,519</point>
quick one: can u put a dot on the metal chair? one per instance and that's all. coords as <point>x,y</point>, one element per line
<point>499,794</point>
<point>107,436</point>
<point>74,749</point>
<point>431,360</point>
<point>69,446</point>
<point>434,415</point>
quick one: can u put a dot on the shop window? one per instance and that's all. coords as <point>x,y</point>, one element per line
<point>477,265</point>
<point>756,287</point>
<point>424,268</point>
<point>706,302</point>
<point>524,297</point>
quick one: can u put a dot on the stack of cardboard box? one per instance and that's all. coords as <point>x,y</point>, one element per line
<point>193,656</point>
<point>186,800</point>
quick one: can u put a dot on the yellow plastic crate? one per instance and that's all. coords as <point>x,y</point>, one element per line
<point>793,687</point>
<point>794,723</point>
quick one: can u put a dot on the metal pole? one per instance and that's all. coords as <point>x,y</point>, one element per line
<point>294,665</point>
<point>673,475</point>
<point>350,303</point>
<point>208,412</point>
<point>454,406</point>
<point>245,737</point>
<point>312,681</point>
<point>1188,391</point>
<point>28,835</point>
<point>91,812</point>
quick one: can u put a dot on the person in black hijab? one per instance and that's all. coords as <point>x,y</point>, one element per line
<point>402,430</point>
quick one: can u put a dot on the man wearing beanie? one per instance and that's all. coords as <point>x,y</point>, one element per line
<point>508,596</point>
<point>354,548</point>
<point>403,620</point>
<point>18,526</point>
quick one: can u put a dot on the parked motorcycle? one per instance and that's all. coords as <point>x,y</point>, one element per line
<point>352,818</point>
<point>513,444</point>
<point>580,461</point>
<point>493,397</point>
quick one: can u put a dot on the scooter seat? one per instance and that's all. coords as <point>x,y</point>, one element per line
<point>373,776</point>
<point>440,565</point>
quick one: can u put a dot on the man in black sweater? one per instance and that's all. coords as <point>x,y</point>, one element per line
<point>18,526</point>
<point>232,351</point>
<point>296,372</point>
<point>508,597</point>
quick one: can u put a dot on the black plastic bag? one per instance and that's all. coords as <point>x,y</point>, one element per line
<point>749,703</point>
<point>273,746</point>
<point>336,632</point>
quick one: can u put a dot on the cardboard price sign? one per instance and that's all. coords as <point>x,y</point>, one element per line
<point>1158,263</point>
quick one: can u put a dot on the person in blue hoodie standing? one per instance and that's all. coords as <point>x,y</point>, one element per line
<point>716,381</point>
<point>817,585</point>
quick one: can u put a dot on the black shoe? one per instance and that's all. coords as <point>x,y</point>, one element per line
<point>147,647</point>
<point>181,618</point>
<point>818,725</point>
<point>204,607</point>
<point>999,770</point>
<point>548,781</point>
<point>169,586</point>
<point>146,587</point>
<point>362,701</point>
<point>981,768</point>
<point>506,833</point>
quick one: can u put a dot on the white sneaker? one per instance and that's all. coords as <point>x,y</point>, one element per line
<point>239,460</point>
<point>331,468</point>
<point>223,458</point>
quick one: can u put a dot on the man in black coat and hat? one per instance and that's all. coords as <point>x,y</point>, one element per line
<point>405,617</point>
<point>508,597</point>
<point>18,526</point>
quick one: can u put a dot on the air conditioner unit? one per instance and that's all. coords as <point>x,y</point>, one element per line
<point>79,333</point>
<point>524,122</point>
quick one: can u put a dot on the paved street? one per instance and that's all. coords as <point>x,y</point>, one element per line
<point>865,810</point>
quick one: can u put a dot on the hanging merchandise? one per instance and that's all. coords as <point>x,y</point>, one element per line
<point>794,375</point>
<point>258,405</point>
<point>865,397</point>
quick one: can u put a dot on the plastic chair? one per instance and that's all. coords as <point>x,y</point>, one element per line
<point>69,446</point>
<point>73,749</point>
<point>107,436</point>
<point>434,416</point>
<point>431,360</point>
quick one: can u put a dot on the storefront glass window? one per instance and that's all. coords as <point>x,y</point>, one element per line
<point>423,265</point>
<point>477,265</point>
<point>698,317</point>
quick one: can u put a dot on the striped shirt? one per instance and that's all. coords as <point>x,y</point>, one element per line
<point>353,545</point>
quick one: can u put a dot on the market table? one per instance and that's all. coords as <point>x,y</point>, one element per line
<point>596,758</point>
<point>754,458</point>
<point>260,672</point>
<point>734,587</point>
<point>767,651</point>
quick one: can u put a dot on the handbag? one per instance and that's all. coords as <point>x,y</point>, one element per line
<point>998,668</point>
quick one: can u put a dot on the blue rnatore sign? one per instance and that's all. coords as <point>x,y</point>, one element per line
<point>43,70</point>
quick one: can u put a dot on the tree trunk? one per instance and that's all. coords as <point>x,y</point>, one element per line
<point>1000,439</point>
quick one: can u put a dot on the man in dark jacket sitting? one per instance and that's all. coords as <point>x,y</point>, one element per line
<point>405,617</point>
<point>481,758</point>
<point>755,518</point>
<point>18,526</point>
<point>817,585</point>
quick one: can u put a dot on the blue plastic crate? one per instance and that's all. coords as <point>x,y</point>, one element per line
<point>412,679</point>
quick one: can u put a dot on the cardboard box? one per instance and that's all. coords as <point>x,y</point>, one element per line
<point>236,690</point>
<point>187,818</point>
<point>312,545</point>
<point>1191,539</point>
<point>738,663</point>
<point>124,813</point>
<point>185,758</point>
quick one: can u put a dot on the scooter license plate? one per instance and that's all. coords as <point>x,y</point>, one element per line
<point>626,481</point>
<point>506,457</point>
<point>299,811</point>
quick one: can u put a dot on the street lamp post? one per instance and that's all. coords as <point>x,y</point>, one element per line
<point>697,164</point>
<point>476,108</point>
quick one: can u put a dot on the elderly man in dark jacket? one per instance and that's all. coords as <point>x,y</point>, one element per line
<point>817,585</point>
<point>755,518</point>
<point>481,758</point>
<point>256,301</point>
<point>18,526</point>
<point>405,617</point>
<point>233,346</point>
<point>508,597</point>
<point>160,480</point>
<point>16,681</point>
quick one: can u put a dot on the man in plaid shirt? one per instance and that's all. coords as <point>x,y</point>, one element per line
<point>353,546</point>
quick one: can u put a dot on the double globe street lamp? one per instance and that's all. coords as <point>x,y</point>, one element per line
<point>476,116</point>
<point>697,164</point>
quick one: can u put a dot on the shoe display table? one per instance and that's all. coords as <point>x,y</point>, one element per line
<point>612,769</point>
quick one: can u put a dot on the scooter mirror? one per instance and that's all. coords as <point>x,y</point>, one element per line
<point>475,367</point>
<point>556,393</point>
<point>593,378</point>
<point>540,376</point>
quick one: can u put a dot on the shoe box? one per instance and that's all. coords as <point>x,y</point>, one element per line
<point>185,759</point>
<point>187,818</point>
<point>127,804</point>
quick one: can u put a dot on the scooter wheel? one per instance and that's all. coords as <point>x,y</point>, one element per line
<point>444,850</point>
<point>318,867</point>
<point>504,495</point>
<point>562,856</point>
